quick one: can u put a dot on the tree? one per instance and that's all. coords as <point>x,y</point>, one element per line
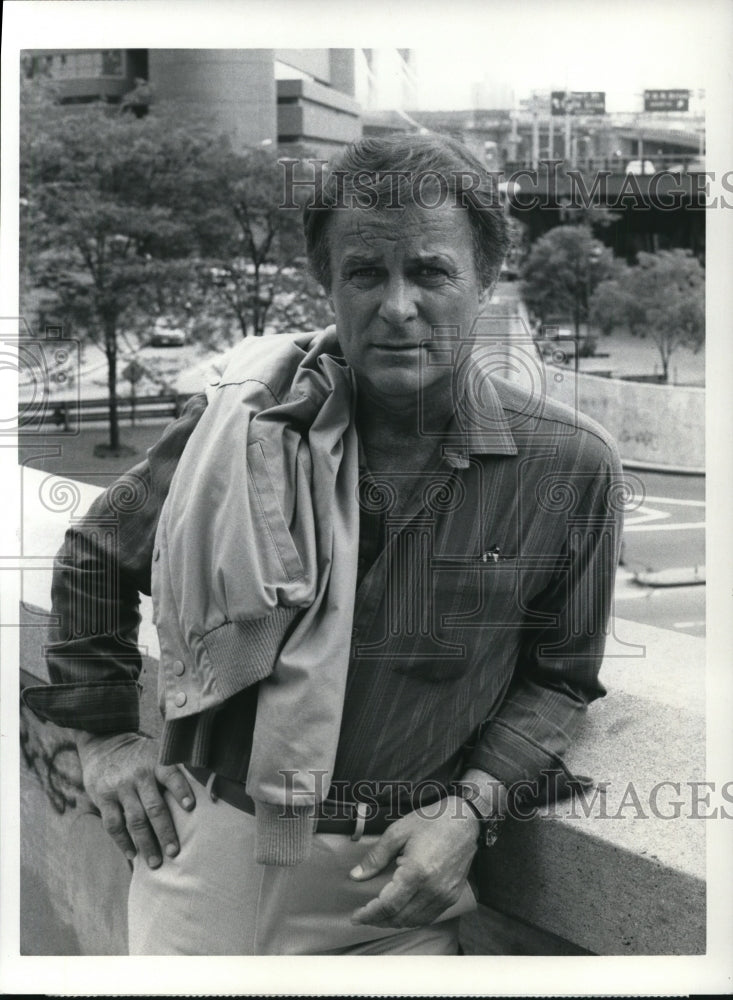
<point>607,306</point>
<point>663,296</point>
<point>613,304</point>
<point>563,268</point>
<point>101,231</point>
<point>247,242</point>
<point>669,286</point>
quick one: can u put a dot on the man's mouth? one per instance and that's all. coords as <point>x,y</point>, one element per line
<point>397,348</point>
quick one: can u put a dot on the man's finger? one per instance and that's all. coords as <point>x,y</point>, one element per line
<point>159,817</point>
<point>387,908</point>
<point>421,910</point>
<point>139,828</point>
<point>174,779</point>
<point>113,822</point>
<point>380,855</point>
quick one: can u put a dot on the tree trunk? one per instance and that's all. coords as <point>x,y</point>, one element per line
<point>110,346</point>
<point>256,322</point>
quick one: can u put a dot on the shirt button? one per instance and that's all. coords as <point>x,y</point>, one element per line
<point>180,699</point>
<point>178,667</point>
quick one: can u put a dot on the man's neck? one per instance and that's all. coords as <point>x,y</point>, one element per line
<point>403,425</point>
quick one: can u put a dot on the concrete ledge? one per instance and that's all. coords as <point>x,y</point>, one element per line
<point>622,880</point>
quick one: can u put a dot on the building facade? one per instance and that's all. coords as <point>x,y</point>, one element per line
<point>257,96</point>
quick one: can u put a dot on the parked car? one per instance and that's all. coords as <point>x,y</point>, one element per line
<point>640,167</point>
<point>165,334</point>
<point>559,345</point>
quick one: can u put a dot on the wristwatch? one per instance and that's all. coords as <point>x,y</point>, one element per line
<point>489,825</point>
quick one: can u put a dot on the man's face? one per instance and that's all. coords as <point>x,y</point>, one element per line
<point>395,275</point>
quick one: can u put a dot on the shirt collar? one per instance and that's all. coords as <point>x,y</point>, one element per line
<point>484,432</point>
<point>478,427</point>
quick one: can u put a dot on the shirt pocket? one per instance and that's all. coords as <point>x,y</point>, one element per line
<point>266,506</point>
<point>483,596</point>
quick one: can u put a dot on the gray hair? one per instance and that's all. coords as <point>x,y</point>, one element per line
<point>392,172</point>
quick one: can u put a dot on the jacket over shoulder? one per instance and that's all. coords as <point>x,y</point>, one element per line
<point>254,570</point>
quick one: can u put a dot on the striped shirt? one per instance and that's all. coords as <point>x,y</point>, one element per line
<point>482,605</point>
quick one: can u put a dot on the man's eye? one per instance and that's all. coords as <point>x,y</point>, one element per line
<point>430,271</point>
<point>364,273</point>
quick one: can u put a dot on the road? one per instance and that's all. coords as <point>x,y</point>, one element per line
<point>664,530</point>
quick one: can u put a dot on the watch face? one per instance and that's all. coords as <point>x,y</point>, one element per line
<point>489,833</point>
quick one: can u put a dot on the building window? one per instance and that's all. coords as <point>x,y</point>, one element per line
<point>112,62</point>
<point>75,65</point>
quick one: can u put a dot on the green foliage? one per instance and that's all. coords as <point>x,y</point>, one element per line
<point>563,268</point>
<point>663,296</point>
<point>614,303</point>
<point>246,241</point>
<point>126,219</point>
<point>102,237</point>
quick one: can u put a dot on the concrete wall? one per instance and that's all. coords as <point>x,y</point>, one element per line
<point>315,62</point>
<point>233,88</point>
<point>236,89</point>
<point>653,424</point>
<point>310,111</point>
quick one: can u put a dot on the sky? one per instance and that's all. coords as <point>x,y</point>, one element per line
<point>618,47</point>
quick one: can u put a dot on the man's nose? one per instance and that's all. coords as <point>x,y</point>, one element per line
<point>398,301</point>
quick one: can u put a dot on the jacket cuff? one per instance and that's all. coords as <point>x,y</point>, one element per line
<point>243,652</point>
<point>96,707</point>
<point>284,833</point>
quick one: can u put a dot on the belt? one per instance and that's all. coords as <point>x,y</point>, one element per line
<point>346,818</point>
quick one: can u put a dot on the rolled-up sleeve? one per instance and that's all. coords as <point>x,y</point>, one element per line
<point>556,675</point>
<point>101,569</point>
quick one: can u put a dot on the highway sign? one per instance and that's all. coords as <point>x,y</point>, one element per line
<point>666,100</point>
<point>578,102</point>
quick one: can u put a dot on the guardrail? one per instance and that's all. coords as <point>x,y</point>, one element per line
<point>615,164</point>
<point>66,414</point>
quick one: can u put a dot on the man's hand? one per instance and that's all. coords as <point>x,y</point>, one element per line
<point>124,781</point>
<point>433,855</point>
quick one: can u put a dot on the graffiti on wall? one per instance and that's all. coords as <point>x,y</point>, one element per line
<point>54,761</point>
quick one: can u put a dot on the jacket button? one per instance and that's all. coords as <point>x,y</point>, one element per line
<point>178,667</point>
<point>180,699</point>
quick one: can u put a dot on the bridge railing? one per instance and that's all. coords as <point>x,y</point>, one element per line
<point>687,162</point>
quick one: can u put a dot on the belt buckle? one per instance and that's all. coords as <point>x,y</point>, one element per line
<point>360,821</point>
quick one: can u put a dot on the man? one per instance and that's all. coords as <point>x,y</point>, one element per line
<point>483,568</point>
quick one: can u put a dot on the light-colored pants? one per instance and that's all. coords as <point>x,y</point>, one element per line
<point>213,899</point>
